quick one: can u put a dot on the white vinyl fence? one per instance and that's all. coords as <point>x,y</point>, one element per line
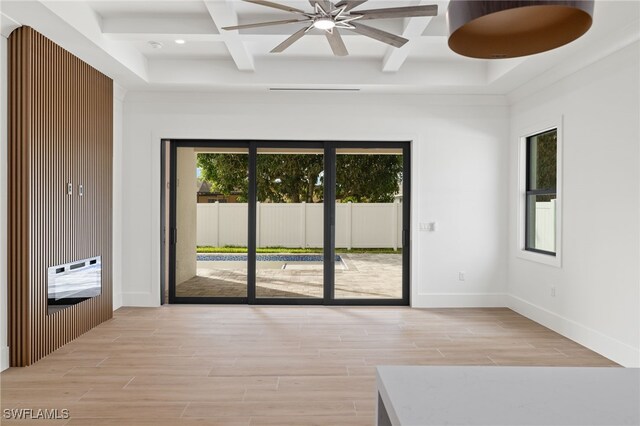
<point>358,225</point>
<point>546,225</point>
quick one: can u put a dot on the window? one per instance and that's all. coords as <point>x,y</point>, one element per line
<point>541,192</point>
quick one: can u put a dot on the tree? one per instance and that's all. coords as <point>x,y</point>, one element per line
<point>290,178</point>
<point>546,148</point>
<point>300,177</point>
<point>226,173</point>
<point>368,178</point>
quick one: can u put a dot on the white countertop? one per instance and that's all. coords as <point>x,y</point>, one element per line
<point>425,396</point>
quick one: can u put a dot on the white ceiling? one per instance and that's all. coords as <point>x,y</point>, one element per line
<point>114,37</point>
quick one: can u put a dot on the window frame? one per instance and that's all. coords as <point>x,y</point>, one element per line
<point>528,245</point>
<point>531,253</point>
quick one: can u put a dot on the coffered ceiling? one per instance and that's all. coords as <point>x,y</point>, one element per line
<point>117,37</point>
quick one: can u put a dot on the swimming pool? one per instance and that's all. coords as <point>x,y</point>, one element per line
<point>263,258</point>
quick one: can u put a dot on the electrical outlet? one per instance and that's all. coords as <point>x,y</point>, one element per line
<point>553,291</point>
<point>460,276</point>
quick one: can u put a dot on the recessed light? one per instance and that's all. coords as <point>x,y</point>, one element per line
<point>155,44</point>
<point>179,41</point>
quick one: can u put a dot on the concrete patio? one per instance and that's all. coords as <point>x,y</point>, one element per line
<point>361,276</point>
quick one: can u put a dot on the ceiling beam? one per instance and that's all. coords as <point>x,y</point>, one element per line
<point>316,73</point>
<point>193,28</point>
<point>201,28</point>
<point>223,15</point>
<point>197,28</point>
<point>395,57</point>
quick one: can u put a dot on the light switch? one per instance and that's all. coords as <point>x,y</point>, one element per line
<point>427,227</point>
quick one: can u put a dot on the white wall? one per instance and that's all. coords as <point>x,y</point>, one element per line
<point>186,215</point>
<point>459,172</point>
<point>4,348</point>
<point>597,300</point>
<point>118,107</point>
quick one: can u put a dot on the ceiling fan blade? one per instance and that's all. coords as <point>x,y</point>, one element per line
<point>383,36</point>
<point>276,6</point>
<point>398,12</point>
<point>350,4</point>
<point>324,4</point>
<point>336,43</point>
<point>289,41</point>
<point>265,24</point>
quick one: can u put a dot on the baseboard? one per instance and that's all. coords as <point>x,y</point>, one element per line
<point>606,346</point>
<point>140,299</point>
<point>117,301</point>
<point>4,358</point>
<point>459,300</point>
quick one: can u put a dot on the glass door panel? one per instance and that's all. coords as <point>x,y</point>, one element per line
<point>369,223</point>
<point>289,223</point>
<point>211,213</point>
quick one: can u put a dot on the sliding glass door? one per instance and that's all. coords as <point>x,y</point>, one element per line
<point>369,207</point>
<point>281,222</point>
<point>209,223</point>
<point>289,221</point>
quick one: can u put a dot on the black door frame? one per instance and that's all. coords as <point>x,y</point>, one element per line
<point>163,216</point>
<point>329,148</point>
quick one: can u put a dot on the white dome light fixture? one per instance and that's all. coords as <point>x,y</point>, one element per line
<point>496,29</point>
<point>326,24</point>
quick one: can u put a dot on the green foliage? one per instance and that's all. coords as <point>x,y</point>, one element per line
<point>544,150</point>
<point>299,177</point>
<point>368,178</point>
<point>227,173</point>
<point>290,178</point>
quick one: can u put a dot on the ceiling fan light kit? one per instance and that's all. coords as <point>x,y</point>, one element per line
<point>496,29</point>
<point>324,24</point>
<point>331,18</point>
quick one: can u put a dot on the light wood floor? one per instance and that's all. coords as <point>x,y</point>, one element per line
<point>241,365</point>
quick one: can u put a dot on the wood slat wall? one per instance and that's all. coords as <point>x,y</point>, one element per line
<point>60,131</point>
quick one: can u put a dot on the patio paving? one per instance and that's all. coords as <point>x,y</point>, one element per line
<point>365,276</point>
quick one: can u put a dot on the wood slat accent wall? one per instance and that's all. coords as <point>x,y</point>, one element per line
<point>60,131</point>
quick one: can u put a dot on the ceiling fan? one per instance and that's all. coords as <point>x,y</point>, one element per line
<point>331,17</point>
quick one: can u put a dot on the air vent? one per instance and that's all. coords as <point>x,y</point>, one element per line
<point>310,89</point>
